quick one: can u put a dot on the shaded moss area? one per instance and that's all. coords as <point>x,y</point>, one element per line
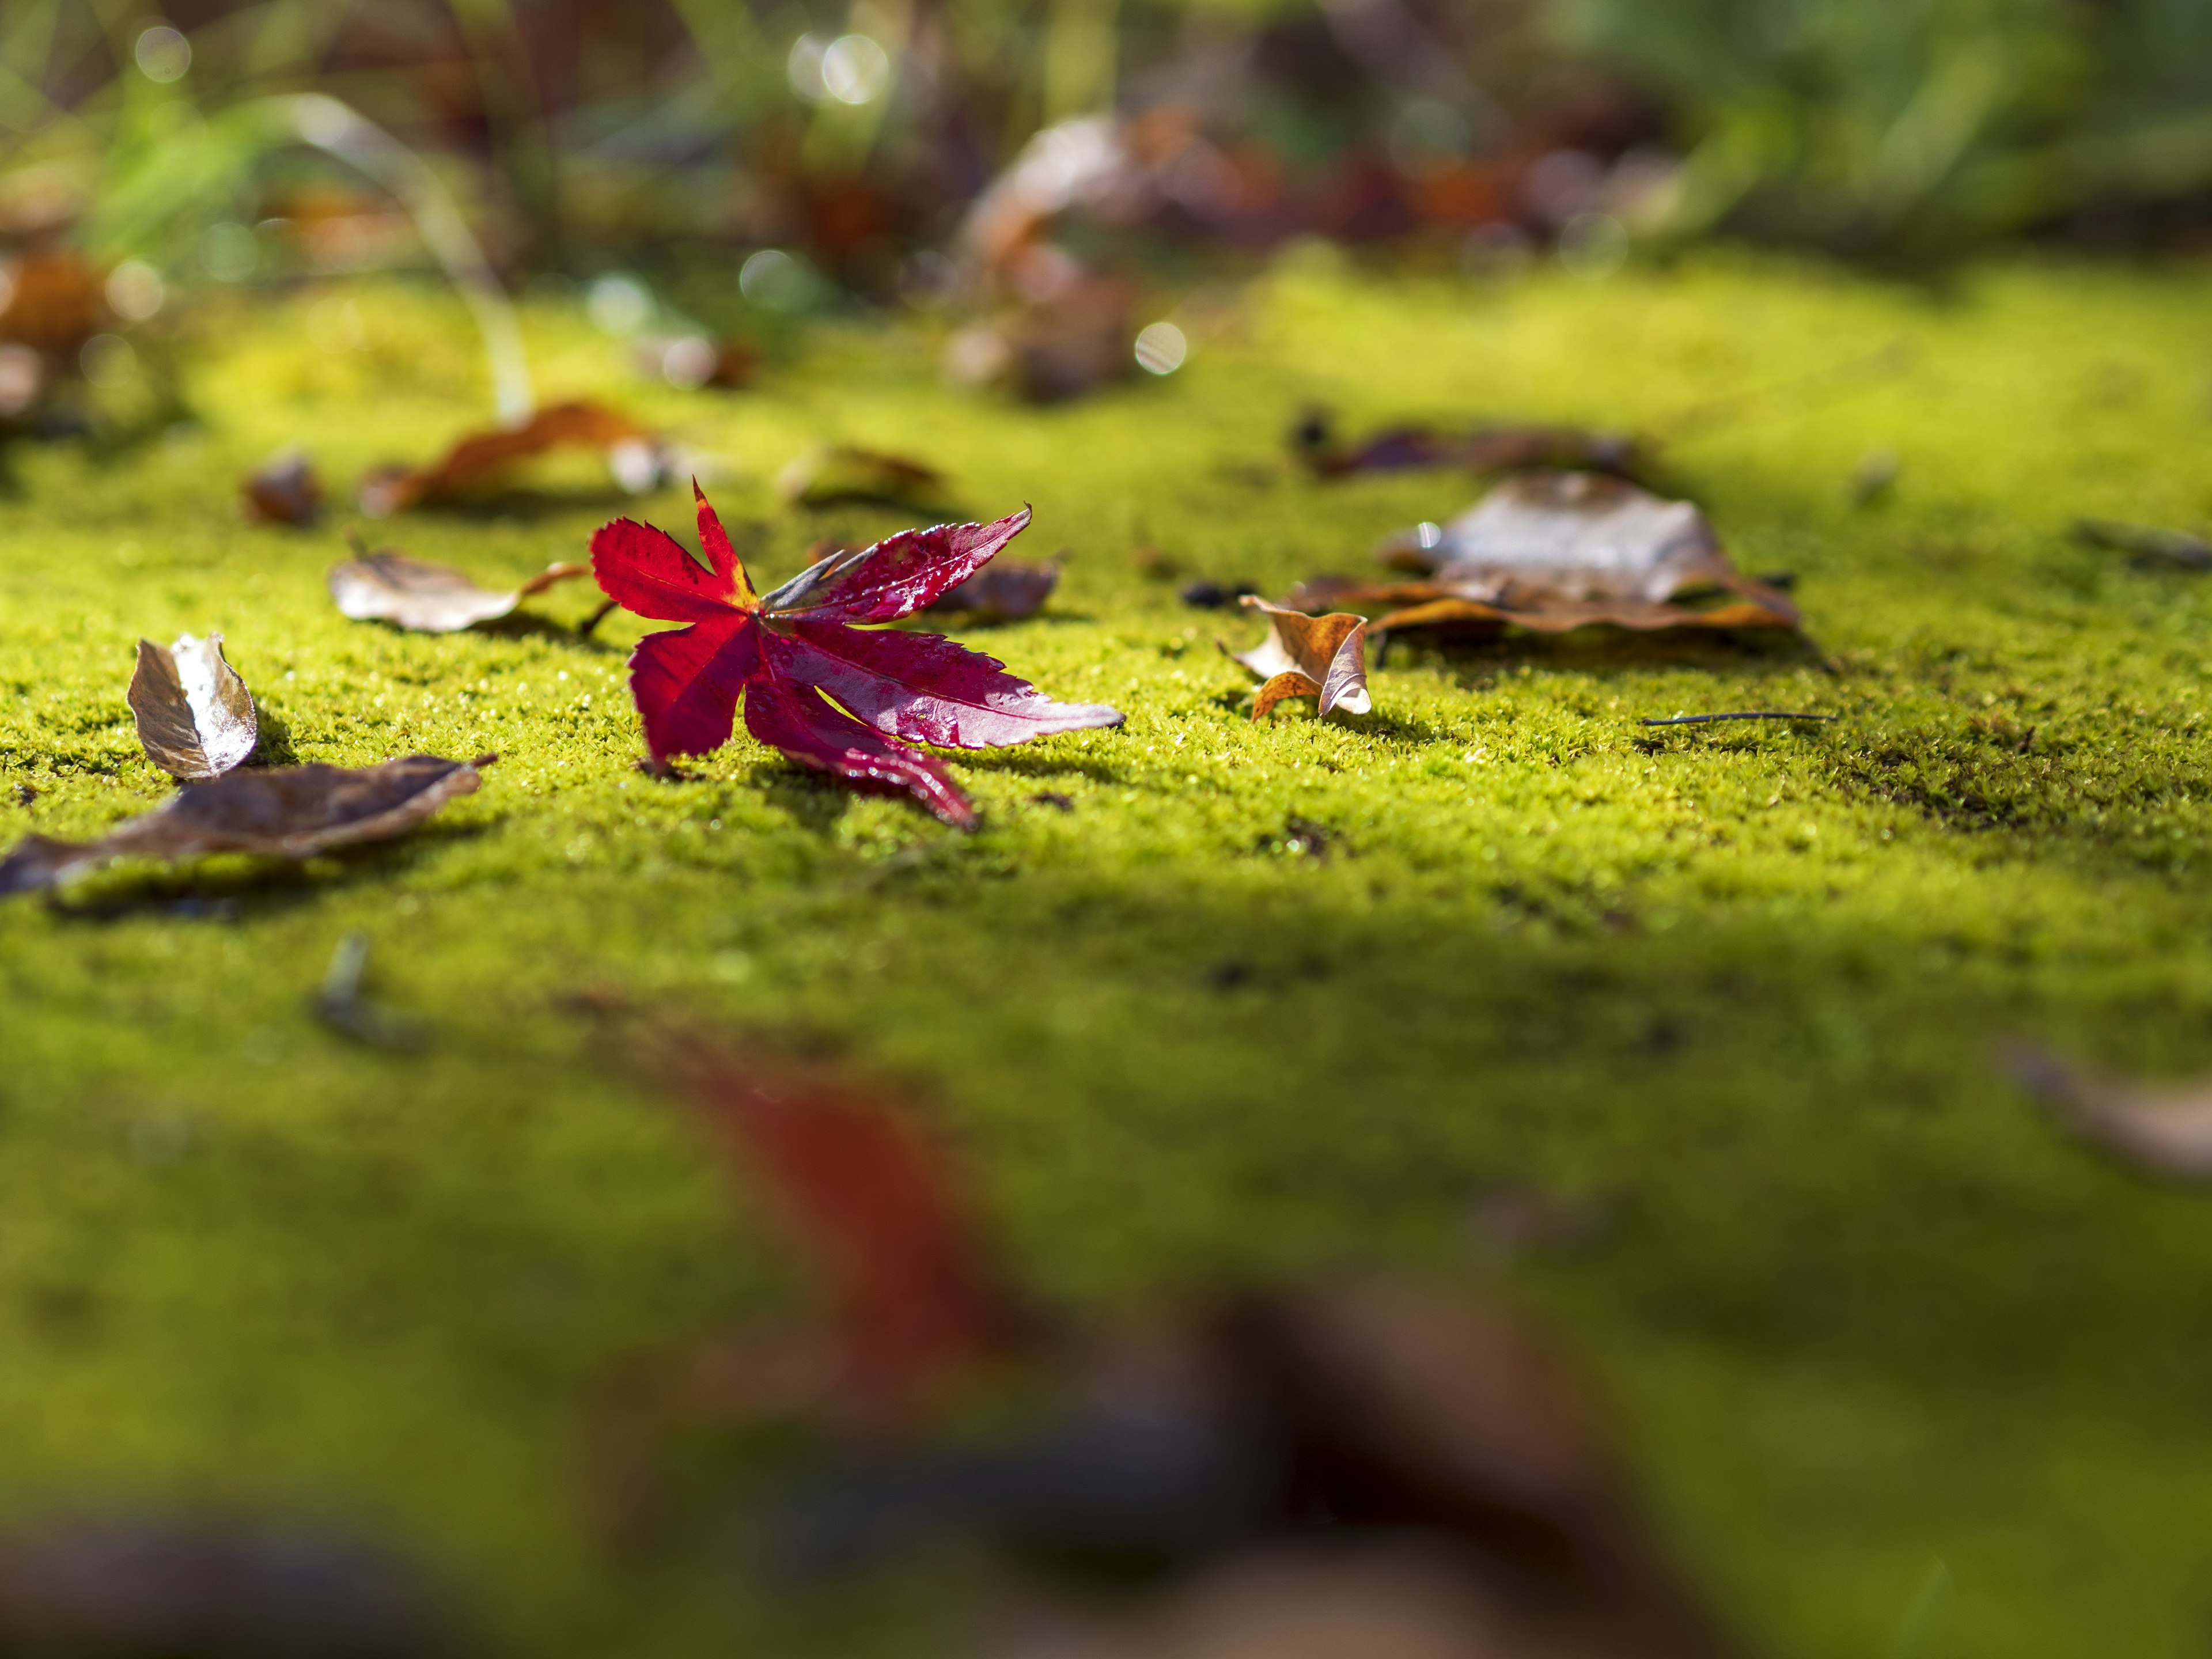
<point>1860,1312</point>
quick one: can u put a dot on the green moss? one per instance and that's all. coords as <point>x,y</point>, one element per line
<point>1862,1310</point>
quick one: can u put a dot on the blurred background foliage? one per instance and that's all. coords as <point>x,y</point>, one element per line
<point>1042,165</point>
<point>578,135</point>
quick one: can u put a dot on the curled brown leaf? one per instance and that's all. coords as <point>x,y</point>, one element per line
<point>288,812</point>
<point>637,458</point>
<point>389,586</point>
<point>195,718</point>
<point>1303,656</point>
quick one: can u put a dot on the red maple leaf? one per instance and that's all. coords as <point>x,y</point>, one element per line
<point>783,651</point>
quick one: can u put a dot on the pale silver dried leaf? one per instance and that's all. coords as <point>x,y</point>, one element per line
<point>195,718</point>
<point>391,586</point>
<point>1568,535</point>
<point>287,812</point>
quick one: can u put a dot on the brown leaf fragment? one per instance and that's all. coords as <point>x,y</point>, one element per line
<point>195,718</point>
<point>637,458</point>
<point>832,473</point>
<point>999,592</point>
<point>287,812</point>
<point>2158,1132</point>
<point>692,360</point>
<point>388,586</point>
<point>174,1585</point>
<point>1491,447</point>
<point>1055,350</point>
<point>1555,551</point>
<point>2147,544</point>
<point>1302,656</point>
<point>284,490</point>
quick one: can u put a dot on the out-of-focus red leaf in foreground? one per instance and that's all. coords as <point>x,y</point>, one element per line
<point>875,1207</point>
<point>783,651</point>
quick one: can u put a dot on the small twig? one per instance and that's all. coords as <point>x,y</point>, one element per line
<point>584,628</point>
<point>1747,715</point>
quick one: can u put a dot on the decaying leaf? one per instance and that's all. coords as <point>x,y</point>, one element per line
<point>832,473</point>
<point>786,652</point>
<point>1053,351</point>
<point>284,490</point>
<point>691,361</point>
<point>388,586</point>
<point>287,812</point>
<point>197,1586</point>
<point>54,301</point>
<point>1487,448</point>
<point>1322,1416</point>
<point>2159,1132</point>
<point>195,718</point>
<point>2147,545</point>
<point>999,592</point>
<point>637,458</point>
<point>1303,656</point>
<point>872,1203</point>
<point>1553,551</point>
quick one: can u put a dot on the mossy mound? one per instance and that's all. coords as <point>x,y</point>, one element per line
<point>1860,1312</point>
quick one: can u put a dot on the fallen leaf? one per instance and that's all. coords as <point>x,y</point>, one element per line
<point>783,651</point>
<point>340,1003</point>
<point>284,490</point>
<point>1317,1416</point>
<point>1053,350</point>
<point>1553,551</point>
<point>286,812</point>
<point>2159,1132</point>
<point>388,586</point>
<point>2147,544</point>
<point>1489,449</point>
<point>873,1203</point>
<point>637,458</point>
<point>195,718</point>
<point>691,361</point>
<point>1302,656</point>
<point>832,473</point>
<point>1206,594</point>
<point>164,1586</point>
<point>54,302</point>
<point>999,593</point>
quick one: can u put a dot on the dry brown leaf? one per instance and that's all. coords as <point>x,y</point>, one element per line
<point>840,472</point>
<point>479,461</point>
<point>290,812</point>
<point>1495,448</point>
<point>195,718</point>
<point>1303,656</point>
<point>2159,1132</point>
<point>999,592</point>
<point>389,586</point>
<point>1555,551</point>
<point>284,490</point>
<point>1053,351</point>
<point>54,302</point>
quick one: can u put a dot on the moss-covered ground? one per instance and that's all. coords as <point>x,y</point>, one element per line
<point>1861,1312</point>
